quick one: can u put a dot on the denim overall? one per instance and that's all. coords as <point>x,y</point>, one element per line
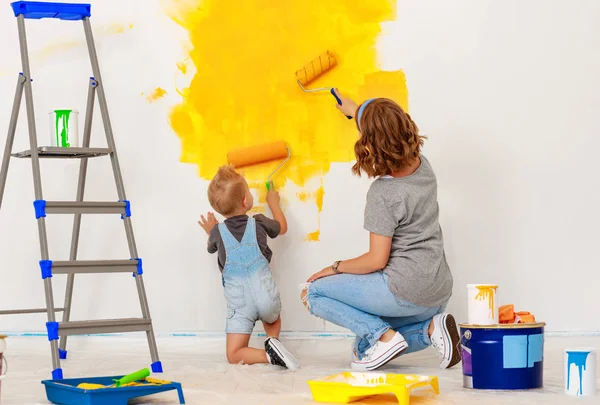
<point>250,290</point>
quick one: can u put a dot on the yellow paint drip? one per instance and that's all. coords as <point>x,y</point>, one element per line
<point>244,91</point>
<point>489,293</point>
<point>156,94</point>
<point>182,67</point>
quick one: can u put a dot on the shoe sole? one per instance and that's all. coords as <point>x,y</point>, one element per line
<point>452,340</point>
<point>384,359</point>
<point>288,359</point>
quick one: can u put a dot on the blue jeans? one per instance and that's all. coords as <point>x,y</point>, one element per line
<point>365,305</point>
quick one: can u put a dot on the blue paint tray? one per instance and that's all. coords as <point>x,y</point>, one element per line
<point>65,391</point>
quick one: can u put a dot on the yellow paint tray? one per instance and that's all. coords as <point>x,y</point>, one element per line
<point>348,387</point>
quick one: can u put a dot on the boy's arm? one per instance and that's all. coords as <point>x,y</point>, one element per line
<point>278,215</point>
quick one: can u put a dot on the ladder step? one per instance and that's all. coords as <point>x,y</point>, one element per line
<point>63,11</point>
<point>86,207</point>
<point>28,311</point>
<point>56,152</point>
<point>94,266</point>
<point>104,326</point>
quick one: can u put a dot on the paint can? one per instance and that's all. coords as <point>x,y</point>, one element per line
<point>580,371</point>
<point>503,357</point>
<point>3,367</point>
<point>64,128</point>
<point>482,304</point>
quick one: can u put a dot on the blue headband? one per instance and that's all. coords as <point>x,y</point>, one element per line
<point>361,110</point>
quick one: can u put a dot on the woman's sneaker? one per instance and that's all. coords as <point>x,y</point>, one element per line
<point>446,340</point>
<point>278,355</point>
<point>381,353</point>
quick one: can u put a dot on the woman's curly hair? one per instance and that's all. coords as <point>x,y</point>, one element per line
<point>389,139</point>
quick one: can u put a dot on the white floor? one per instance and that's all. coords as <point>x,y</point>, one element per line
<point>199,364</point>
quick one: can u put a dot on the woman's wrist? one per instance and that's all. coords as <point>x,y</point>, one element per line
<point>336,266</point>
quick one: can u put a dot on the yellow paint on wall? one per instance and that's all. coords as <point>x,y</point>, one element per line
<point>244,90</point>
<point>156,94</point>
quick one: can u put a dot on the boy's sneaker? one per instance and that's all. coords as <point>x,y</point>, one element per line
<point>446,340</point>
<point>278,355</point>
<point>381,353</point>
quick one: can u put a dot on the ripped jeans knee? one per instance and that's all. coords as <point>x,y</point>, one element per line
<point>304,295</point>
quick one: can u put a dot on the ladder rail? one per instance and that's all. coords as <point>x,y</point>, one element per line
<point>119,183</point>
<point>10,137</point>
<point>37,184</point>
<point>87,134</point>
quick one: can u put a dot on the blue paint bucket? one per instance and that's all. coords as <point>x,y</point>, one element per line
<point>503,357</point>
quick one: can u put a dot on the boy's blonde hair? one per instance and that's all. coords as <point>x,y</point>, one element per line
<point>226,191</point>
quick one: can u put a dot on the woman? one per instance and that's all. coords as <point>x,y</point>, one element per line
<point>393,297</point>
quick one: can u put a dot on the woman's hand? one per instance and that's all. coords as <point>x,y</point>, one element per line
<point>326,272</point>
<point>348,106</point>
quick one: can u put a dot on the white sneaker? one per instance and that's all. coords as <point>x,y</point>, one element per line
<point>445,340</point>
<point>381,353</point>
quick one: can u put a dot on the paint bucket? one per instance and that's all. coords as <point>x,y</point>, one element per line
<point>580,371</point>
<point>3,367</point>
<point>64,128</point>
<point>503,357</point>
<point>482,304</point>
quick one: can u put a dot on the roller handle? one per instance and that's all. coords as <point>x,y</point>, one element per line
<point>270,185</point>
<point>339,101</point>
<point>129,378</point>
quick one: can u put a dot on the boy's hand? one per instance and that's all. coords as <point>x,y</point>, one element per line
<point>208,224</point>
<point>348,106</point>
<point>326,272</point>
<point>273,197</point>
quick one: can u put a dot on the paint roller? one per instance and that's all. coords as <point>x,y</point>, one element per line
<point>315,69</point>
<point>260,154</point>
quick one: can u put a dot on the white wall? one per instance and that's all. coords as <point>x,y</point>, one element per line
<point>505,91</point>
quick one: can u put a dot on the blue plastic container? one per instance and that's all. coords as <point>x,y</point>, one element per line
<point>65,391</point>
<point>503,357</point>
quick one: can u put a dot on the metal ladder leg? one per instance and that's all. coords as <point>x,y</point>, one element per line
<point>37,184</point>
<point>12,127</point>
<point>156,365</point>
<point>87,131</point>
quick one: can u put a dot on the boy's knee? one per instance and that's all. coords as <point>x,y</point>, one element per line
<point>304,296</point>
<point>232,358</point>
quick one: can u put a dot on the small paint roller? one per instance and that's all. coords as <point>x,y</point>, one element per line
<point>260,154</point>
<point>128,379</point>
<point>315,69</point>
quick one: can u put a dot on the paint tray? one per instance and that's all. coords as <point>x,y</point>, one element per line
<point>65,392</point>
<point>347,387</point>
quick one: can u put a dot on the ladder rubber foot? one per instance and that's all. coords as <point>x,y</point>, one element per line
<point>62,354</point>
<point>57,374</point>
<point>157,367</point>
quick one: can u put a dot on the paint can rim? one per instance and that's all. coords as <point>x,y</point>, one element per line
<point>580,350</point>
<point>482,285</point>
<point>504,326</point>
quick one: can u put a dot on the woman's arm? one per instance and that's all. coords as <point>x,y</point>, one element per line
<point>375,259</point>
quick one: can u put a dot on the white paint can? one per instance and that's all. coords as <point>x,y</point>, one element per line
<point>482,304</point>
<point>580,371</point>
<point>64,128</point>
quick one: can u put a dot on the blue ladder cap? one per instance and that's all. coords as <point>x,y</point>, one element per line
<point>62,354</point>
<point>52,328</point>
<point>157,367</point>
<point>57,374</point>
<point>40,208</point>
<point>36,10</point>
<point>46,267</point>
<point>127,208</point>
<point>140,269</point>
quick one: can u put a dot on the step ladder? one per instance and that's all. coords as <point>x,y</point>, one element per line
<point>61,330</point>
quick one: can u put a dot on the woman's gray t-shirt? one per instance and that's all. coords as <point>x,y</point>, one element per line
<point>406,209</point>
